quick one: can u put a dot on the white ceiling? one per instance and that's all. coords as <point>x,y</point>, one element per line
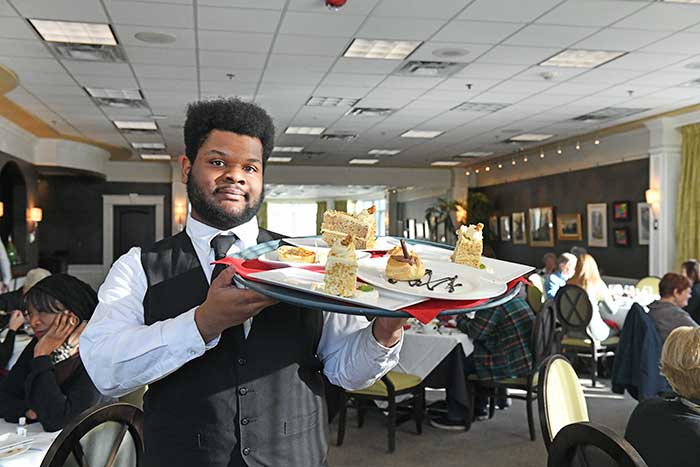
<point>320,192</point>
<point>284,51</point>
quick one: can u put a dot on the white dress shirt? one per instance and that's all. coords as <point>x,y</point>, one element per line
<point>121,353</point>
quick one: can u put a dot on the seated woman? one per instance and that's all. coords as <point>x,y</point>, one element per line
<point>666,433</point>
<point>588,278</point>
<point>691,270</point>
<point>49,383</point>
<point>667,312</point>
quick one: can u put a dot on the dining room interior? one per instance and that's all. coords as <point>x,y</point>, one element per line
<point>507,186</point>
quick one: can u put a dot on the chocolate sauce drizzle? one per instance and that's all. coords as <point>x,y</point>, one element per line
<point>431,283</point>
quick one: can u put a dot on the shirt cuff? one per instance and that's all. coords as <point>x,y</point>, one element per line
<point>41,364</point>
<point>182,337</point>
<point>379,350</point>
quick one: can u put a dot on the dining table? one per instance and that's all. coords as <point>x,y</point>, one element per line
<point>32,457</point>
<point>426,346</point>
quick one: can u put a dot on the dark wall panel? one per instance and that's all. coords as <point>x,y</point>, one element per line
<point>569,193</point>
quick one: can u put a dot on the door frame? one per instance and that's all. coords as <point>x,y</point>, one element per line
<point>108,204</point>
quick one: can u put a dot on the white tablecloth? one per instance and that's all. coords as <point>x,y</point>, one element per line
<point>38,449</point>
<point>621,306</point>
<point>422,352</point>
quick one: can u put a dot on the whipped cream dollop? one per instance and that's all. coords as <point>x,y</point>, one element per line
<point>342,252</point>
<point>471,232</point>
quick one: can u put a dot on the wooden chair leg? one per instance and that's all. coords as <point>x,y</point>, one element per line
<point>342,418</point>
<point>471,397</point>
<point>492,404</point>
<point>594,368</point>
<point>391,421</point>
<point>530,419</point>
<point>419,409</point>
<point>361,409</point>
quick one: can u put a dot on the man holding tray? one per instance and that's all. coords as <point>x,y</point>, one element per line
<point>235,378</point>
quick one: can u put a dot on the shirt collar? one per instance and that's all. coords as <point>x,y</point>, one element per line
<point>200,232</point>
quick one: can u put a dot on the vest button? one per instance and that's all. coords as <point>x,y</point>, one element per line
<point>245,421</point>
<point>246,451</point>
<point>241,361</point>
<point>243,391</point>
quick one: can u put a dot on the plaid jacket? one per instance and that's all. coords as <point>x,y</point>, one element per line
<point>501,337</point>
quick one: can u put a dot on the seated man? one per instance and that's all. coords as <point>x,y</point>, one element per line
<point>666,433</point>
<point>667,312</point>
<point>549,261</point>
<point>501,337</point>
<point>566,265</point>
<point>14,300</point>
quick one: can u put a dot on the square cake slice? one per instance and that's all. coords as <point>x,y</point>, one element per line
<point>337,225</point>
<point>470,245</point>
<point>341,268</point>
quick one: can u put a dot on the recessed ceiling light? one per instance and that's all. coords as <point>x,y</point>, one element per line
<point>382,49</point>
<point>126,125</point>
<point>476,171</point>
<point>488,169</point>
<point>486,107</point>
<point>445,163</point>
<point>304,130</point>
<point>103,93</point>
<point>577,58</point>
<point>421,134</point>
<point>363,161</point>
<point>529,137</point>
<point>500,166</point>
<point>155,37</point>
<point>384,152</point>
<point>148,145</point>
<point>370,111</point>
<point>322,101</point>
<point>287,149</point>
<point>74,32</point>
<point>525,160</point>
<point>475,154</point>
<point>596,142</point>
<point>467,173</point>
<point>275,159</point>
<point>156,157</point>
<point>450,52</point>
<point>513,163</point>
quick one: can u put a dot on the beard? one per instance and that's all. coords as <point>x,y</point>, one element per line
<point>206,207</point>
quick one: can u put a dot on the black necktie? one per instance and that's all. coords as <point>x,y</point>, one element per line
<point>221,244</point>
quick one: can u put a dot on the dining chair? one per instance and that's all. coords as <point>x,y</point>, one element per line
<point>109,435</point>
<point>560,398</point>
<point>535,292</point>
<point>387,389</point>
<point>586,444</point>
<point>135,397</point>
<point>543,343</point>
<point>649,281</point>
<point>574,312</point>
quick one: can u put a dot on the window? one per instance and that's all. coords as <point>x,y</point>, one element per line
<point>380,215</point>
<point>292,219</point>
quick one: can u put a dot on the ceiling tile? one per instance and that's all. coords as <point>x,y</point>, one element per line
<point>16,28</point>
<point>45,78</point>
<point>156,56</point>
<point>263,4</point>
<point>401,82</point>
<point>365,65</point>
<point>21,65</point>
<point>234,41</point>
<point>426,50</point>
<point>161,71</point>
<point>314,24</point>
<point>299,62</point>
<point>152,14</point>
<point>478,32</point>
<point>662,17</point>
<point>233,60</point>
<point>490,71</point>
<point>443,9</point>
<point>590,12</point>
<point>510,55</point>
<point>23,48</point>
<point>399,28</point>
<point>341,91</point>
<point>113,82</point>
<point>620,39</point>
<point>237,19</point>
<point>310,45</point>
<point>241,75</point>
<point>681,43</point>
<point>98,68</point>
<point>68,10</point>
<point>167,85</point>
<point>353,79</point>
<point>606,75</point>
<point>643,61</point>
<point>6,9</point>
<point>507,10</point>
<point>184,37</point>
<point>540,35</point>
<point>660,78</point>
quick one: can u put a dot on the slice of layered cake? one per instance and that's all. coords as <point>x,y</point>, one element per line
<point>341,268</point>
<point>337,225</point>
<point>470,245</point>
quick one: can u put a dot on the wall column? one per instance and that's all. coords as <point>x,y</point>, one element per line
<point>180,206</point>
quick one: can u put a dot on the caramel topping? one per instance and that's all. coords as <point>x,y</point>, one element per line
<point>371,209</point>
<point>347,240</point>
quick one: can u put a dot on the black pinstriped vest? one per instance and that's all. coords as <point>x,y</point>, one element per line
<point>247,402</point>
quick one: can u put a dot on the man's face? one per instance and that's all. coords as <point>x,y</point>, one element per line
<point>681,297</point>
<point>225,183</point>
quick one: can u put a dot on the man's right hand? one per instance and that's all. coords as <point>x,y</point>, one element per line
<point>227,306</point>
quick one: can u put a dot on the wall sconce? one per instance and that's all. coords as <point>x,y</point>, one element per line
<point>2,209</point>
<point>653,198</point>
<point>180,212</point>
<point>34,216</point>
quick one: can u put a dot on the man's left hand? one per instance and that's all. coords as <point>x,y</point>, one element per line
<point>388,331</point>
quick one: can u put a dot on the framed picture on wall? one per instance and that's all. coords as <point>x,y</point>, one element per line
<point>643,222</point>
<point>541,226</point>
<point>621,211</point>
<point>569,227</point>
<point>519,237</point>
<point>505,228</point>
<point>597,214</point>
<point>493,225</point>
<point>622,236</point>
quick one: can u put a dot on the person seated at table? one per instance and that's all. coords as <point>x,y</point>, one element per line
<point>666,432</point>
<point>501,337</point>
<point>14,300</point>
<point>49,383</point>
<point>667,312</point>
<point>587,276</point>
<point>566,265</point>
<point>691,270</point>
<point>8,344</point>
<point>549,260</point>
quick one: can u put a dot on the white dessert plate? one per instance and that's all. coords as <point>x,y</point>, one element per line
<point>271,257</point>
<point>12,445</point>
<point>381,244</point>
<point>475,284</point>
<point>312,282</point>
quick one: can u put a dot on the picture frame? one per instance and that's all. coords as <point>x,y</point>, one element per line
<point>519,228</point>
<point>569,227</point>
<point>643,223</point>
<point>621,211</point>
<point>505,228</point>
<point>541,226</point>
<point>621,236</point>
<point>597,224</point>
<point>493,225</point>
